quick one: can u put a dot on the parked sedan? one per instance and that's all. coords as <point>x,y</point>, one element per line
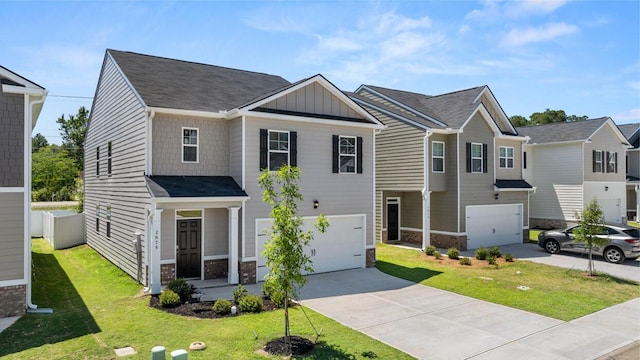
<point>624,242</point>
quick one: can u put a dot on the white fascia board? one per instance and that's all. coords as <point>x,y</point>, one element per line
<point>514,137</point>
<point>497,189</point>
<point>558,143</point>
<point>182,112</point>
<point>195,200</point>
<point>305,119</point>
<point>12,89</point>
<point>8,74</point>
<point>615,129</point>
<point>496,104</point>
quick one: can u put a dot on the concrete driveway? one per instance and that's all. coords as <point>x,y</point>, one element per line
<point>629,270</point>
<point>433,324</point>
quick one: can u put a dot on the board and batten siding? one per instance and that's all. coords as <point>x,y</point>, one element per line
<point>12,236</point>
<point>213,146</point>
<point>11,140</point>
<point>118,117</point>
<point>338,194</point>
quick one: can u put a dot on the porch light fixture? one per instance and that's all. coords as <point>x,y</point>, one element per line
<point>606,188</point>
<point>316,204</point>
<point>496,196</point>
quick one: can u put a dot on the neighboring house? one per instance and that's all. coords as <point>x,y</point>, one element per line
<point>448,169</point>
<point>632,133</point>
<point>571,164</point>
<point>20,103</point>
<point>173,153</point>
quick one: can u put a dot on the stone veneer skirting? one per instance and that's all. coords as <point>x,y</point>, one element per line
<point>371,258</point>
<point>13,300</point>
<point>167,273</point>
<point>247,272</point>
<point>216,269</point>
<point>449,241</point>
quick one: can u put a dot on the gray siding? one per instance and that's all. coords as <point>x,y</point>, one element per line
<point>213,147</point>
<point>338,194</point>
<point>411,203</point>
<point>605,140</point>
<point>119,117</point>
<point>633,162</point>
<point>235,150</point>
<point>444,207</point>
<point>514,173</point>
<point>12,236</point>
<point>216,232</point>
<point>313,99</point>
<point>11,140</point>
<point>168,235</point>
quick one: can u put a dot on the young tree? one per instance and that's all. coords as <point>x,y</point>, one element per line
<point>54,175</point>
<point>590,230</point>
<point>285,249</point>
<point>73,131</point>
<point>38,141</point>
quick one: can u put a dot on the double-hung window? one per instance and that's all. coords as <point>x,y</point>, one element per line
<point>108,221</point>
<point>437,156</point>
<point>278,149</point>
<point>506,157</point>
<point>190,145</point>
<point>612,162</point>
<point>98,161</point>
<point>347,149</point>
<point>598,165</point>
<point>97,218</point>
<point>476,158</point>
<point>109,159</point>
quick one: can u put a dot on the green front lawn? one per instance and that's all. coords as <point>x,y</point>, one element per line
<point>556,292</point>
<point>98,308</point>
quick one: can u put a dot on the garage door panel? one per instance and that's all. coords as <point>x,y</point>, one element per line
<point>494,225</point>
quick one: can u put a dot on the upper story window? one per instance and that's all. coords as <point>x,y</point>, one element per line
<point>108,213</point>
<point>109,159</point>
<point>98,161</point>
<point>612,162</point>
<point>598,166</point>
<point>190,145</point>
<point>347,154</point>
<point>477,160</point>
<point>97,218</point>
<point>277,148</point>
<point>437,156</point>
<point>506,157</point>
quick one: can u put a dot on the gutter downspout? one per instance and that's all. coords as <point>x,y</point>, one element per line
<point>426,196</point>
<point>30,305</point>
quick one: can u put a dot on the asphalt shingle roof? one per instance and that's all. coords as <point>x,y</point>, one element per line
<point>512,184</point>
<point>562,132</point>
<point>178,84</point>
<point>162,186</point>
<point>632,133</point>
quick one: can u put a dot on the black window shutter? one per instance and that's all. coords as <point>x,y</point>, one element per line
<point>293,148</point>
<point>484,158</point>
<point>359,154</point>
<point>336,164</point>
<point>524,159</point>
<point>468,157</point>
<point>264,153</point>
<point>606,162</point>
<point>615,160</point>
<point>593,160</point>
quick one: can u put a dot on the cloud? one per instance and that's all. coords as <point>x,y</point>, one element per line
<point>519,37</point>
<point>635,85</point>
<point>632,115</point>
<point>493,10</point>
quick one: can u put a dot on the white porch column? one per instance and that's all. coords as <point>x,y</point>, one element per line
<point>426,195</point>
<point>637,203</point>
<point>154,250</point>
<point>232,272</point>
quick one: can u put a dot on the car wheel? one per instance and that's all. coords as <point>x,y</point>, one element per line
<point>552,246</point>
<point>614,255</point>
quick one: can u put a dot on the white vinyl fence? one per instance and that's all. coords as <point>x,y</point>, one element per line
<point>62,228</point>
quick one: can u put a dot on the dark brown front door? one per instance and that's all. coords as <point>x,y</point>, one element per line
<point>188,248</point>
<point>393,222</point>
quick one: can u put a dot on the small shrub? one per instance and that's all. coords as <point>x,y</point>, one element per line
<point>430,250</point>
<point>182,288</point>
<point>239,292</point>
<point>222,306</point>
<point>481,253</point>
<point>492,260</point>
<point>169,299</point>
<point>453,253</point>
<point>465,261</point>
<point>495,252</point>
<point>251,303</point>
<point>273,293</point>
<point>508,257</point>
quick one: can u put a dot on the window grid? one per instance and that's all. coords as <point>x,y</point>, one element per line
<point>190,145</point>
<point>347,153</point>
<point>611,162</point>
<point>476,158</point>
<point>506,157</point>
<point>437,155</point>
<point>278,149</point>
<point>598,161</point>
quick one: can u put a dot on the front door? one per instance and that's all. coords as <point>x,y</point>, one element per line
<point>188,248</point>
<point>393,219</point>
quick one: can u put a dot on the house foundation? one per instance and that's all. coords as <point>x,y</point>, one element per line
<point>13,300</point>
<point>167,273</point>
<point>215,269</point>
<point>371,258</point>
<point>248,272</point>
<point>449,241</point>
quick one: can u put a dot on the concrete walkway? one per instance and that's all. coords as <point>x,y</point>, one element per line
<point>428,323</point>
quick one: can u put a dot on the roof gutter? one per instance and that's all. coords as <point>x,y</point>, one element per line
<point>182,112</point>
<point>310,119</point>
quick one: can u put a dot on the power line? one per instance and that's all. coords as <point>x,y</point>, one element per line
<point>71,96</point>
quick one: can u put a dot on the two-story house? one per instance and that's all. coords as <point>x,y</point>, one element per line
<point>21,101</point>
<point>632,133</point>
<point>448,169</point>
<point>173,153</point>
<point>571,164</point>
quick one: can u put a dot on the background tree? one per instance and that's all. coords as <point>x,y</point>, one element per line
<point>284,250</point>
<point>38,141</point>
<point>590,230</point>
<point>519,121</point>
<point>546,117</point>
<point>73,131</point>
<point>54,175</point>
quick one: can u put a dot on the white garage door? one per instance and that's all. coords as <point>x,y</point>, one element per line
<point>494,225</point>
<point>341,247</point>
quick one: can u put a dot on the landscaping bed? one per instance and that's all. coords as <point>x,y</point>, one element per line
<point>201,309</point>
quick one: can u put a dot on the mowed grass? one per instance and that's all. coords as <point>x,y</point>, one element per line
<point>98,308</point>
<point>555,292</point>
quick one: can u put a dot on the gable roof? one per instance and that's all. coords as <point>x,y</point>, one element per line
<point>631,132</point>
<point>177,84</point>
<point>8,77</point>
<point>564,132</point>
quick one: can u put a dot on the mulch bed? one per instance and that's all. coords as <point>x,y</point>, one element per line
<point>299,346</point>
<point>201,309</point>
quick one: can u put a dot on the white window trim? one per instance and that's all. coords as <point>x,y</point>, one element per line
<point>611,161</point>
<point>269,151</point>
<point>197,145</point>
<point>506,157</point>
<point>434,156</point>
<point>477,158</point>
<point>354,155</point>
<point>601,161</point>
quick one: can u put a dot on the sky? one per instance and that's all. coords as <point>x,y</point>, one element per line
<point>579,56</point>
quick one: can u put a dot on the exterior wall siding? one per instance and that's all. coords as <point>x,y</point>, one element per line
<point>313,99</point>
<point>411,212</point>
<point>514,173</point>
<point>216,232</point>
<point>213,147</point>
<point>118,117</point>
<point>633,162</point>
<point>11,140</point>
<point>12,236</point>
<point>235,150</point>
<point>338,194</point>
<point>605,140</point>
